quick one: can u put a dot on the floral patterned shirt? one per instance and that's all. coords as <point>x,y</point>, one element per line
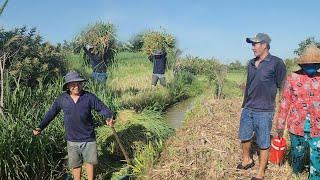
<point>300,96</point>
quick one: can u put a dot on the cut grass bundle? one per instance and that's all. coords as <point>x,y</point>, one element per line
<point>157,40</point>
<point>136,130</point>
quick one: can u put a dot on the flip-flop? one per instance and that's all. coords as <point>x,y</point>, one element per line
<point>248,166</point>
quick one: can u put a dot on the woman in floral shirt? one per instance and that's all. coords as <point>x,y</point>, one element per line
<point>300,110</point>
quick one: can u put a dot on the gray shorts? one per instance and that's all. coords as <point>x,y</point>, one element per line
<point>81,152</point>
<point>156,77</point>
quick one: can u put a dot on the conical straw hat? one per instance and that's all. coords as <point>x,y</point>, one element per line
<point>311,54</point>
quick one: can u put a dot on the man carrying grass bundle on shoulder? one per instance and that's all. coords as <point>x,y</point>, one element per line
<point>98,62</point>
<point>159,60</point>
<point>76,105</point>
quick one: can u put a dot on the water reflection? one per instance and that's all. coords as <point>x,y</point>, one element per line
<point>176,114</point>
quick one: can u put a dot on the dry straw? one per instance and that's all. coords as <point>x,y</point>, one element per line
<point>311,54</point>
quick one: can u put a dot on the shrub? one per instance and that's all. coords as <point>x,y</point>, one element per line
<point>30,60</point>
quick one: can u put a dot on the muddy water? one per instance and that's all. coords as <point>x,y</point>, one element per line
<point>176,114</point>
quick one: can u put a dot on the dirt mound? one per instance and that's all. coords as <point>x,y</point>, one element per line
<point>207,147</point>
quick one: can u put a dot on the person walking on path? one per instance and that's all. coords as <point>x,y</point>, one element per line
<point>159,60</point>
<point>265,74</point>
<point>300,110</point>
<point>76,105</point>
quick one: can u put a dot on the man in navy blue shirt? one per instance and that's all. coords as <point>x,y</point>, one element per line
<point>265,75</point>
<point>99,62</point>
<point>159,60</point>
<point>76,105</point>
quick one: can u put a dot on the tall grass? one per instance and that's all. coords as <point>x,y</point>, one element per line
<point>23,156</point>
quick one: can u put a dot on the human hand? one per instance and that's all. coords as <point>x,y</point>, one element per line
<point>88,47</point>
<point>280,133</point>
<point>110,122</point>
<point>36,131</point>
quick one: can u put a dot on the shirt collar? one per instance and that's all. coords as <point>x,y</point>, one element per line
<point>267,58</point>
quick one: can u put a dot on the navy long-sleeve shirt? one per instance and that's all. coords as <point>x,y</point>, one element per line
<point>263,82</point>
<point>159,64</point>
<point>98,65</point>
<point>78,120</point>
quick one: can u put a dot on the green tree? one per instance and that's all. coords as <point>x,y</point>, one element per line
<point>302,45</point>
<point>236,65</point>
<point>31,60</point>
<point>137,42</point>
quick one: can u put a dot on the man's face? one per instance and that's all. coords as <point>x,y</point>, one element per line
<point>258,48</point>
<point>75,87</point>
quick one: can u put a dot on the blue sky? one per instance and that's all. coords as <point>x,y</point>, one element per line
<point>203,28</point>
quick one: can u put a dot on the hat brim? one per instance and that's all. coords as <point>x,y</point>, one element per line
<point>252,40</point>
<point>307,62</point>
<point>64,87</point>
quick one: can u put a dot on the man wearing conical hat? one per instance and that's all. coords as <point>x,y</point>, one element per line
<point>300,112</point>
<point>265,74</point>
<point>76,105</point>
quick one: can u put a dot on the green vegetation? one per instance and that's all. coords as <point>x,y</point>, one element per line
<point>303,44</point>
<point>31,78</point>
<point>27,59</point>
<point>128,87</point>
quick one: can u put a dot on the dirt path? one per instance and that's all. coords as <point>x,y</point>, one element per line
<point>207,147</point>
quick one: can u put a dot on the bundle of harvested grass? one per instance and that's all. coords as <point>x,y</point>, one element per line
<point>99,35</point>
<point>157,40</point>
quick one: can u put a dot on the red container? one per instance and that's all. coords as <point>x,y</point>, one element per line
<point>277,150</point>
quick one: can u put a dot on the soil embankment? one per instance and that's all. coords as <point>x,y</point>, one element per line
<point>207,147</point>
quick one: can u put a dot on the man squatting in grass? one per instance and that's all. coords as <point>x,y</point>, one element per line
<point>159,60</point>
<point>265,74</point>
<point>76,105</point>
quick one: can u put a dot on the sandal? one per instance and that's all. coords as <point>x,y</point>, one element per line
<point>248,166</point>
